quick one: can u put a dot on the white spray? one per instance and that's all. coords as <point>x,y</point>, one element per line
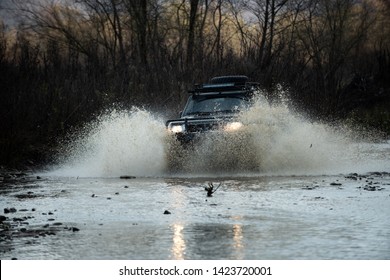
<point>116,144</point>
<point>273,141</point>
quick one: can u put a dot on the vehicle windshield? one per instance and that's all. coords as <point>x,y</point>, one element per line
<point>212,105</point>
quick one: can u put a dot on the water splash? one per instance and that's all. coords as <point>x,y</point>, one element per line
<point>287,143</point>
<point>277,141</point>
<point>118,143</point>
<point>274,141</point>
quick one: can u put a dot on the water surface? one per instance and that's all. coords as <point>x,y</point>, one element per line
<point>269,217</point>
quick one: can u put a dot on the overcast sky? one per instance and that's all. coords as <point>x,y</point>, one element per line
<point>5,12</point>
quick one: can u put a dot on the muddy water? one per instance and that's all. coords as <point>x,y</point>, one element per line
<point>267,217</point>
<point>313,192</point>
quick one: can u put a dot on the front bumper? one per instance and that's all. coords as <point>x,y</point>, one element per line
<point>189,130</point>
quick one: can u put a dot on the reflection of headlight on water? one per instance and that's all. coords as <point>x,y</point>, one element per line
<point>233,126</point>
<point>176,128</point>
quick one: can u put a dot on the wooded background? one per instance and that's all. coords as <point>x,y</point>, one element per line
<point>63,62</point>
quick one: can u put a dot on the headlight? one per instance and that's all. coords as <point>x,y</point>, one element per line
<point>233,126</point>
<point>176,128</point>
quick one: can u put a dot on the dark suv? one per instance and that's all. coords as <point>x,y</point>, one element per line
<point>213,107</point>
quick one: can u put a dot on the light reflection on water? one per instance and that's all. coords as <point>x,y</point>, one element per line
<point>179,245</point>
<point>238,238</point>
<point>231,237</point>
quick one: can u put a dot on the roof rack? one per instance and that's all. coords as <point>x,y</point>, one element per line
<point>224,85</point>
<point>236,79</point>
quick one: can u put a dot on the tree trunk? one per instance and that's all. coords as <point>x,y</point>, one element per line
<point>191,32</point>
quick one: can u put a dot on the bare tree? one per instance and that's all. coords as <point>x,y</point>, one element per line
<point>266,13</point>
<point>331,31</point>
<point>106,18</point>
<point>138,10</point>
<point>191,31</point>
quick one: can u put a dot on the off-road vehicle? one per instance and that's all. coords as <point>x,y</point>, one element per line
<point>211,112</point>
<point>213,107</point>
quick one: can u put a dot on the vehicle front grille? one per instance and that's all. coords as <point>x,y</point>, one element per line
<point>202,127</point>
